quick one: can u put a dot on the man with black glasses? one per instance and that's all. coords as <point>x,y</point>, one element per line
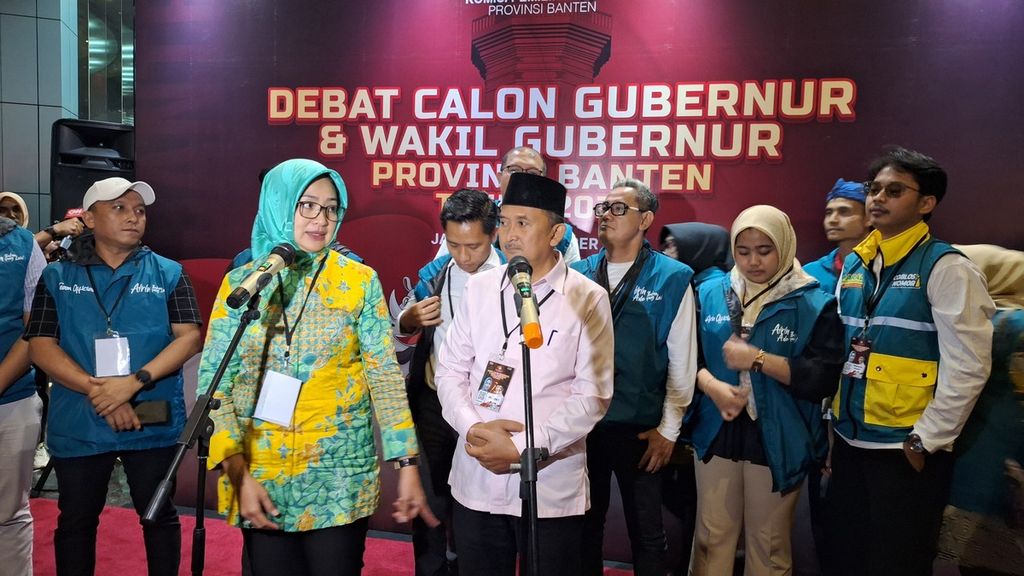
<point>655,369</point>
<point>524,159</point>
<point>918,327</point>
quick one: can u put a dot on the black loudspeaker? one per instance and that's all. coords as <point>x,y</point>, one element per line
<point>82,152</point>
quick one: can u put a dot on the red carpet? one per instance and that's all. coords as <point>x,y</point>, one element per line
<point>120,549</point>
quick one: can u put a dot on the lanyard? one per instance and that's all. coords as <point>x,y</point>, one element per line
<point>448,281</point>
<point>766,288</point>
<point>99,301</point>
<point>504,322</point>
<point>288,333</point>
<point>620,295</point>
<point>736,308</point>
<point>872,303</point>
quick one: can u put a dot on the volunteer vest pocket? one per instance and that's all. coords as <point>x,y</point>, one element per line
<point>898,389</point>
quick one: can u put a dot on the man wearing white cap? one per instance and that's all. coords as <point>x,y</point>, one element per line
<point>113,327</point>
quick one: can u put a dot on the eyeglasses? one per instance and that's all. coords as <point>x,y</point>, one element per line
<point>518,169</point>
<point>616,208</point>
<point>312,210</point>
<point>892,189</point>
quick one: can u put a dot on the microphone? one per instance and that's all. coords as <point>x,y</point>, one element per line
<point>519,271</point>
<point>280,257</point>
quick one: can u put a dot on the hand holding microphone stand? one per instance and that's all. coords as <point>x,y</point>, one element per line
<point>519,272</point>
<point>199,427</point>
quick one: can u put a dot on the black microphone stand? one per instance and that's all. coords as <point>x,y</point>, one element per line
<point>528,459</point>
<point>199,428</point>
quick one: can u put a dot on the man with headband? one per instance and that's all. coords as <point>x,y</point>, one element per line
<point>480,385</point>
<point>846,224</point>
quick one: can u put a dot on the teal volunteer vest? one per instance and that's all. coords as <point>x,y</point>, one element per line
<point>15,252</point>
<point>147,280</point>
<point>903,364</point>
<point>788,424</point>
<point>643,319</point>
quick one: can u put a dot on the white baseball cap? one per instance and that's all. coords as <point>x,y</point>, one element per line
<point>112,188</point>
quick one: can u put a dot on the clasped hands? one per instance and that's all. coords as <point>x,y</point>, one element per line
<point>111,396</point>
<point>491,444</point>
<point>732,400</point>
<point>738,354</point>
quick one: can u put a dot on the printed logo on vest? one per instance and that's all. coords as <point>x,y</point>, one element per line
<point>76,288</point>
<point>147,289</point>
<point>11,257</point>
<point>909,280</point>
<point>641,294</point>
<point>716,318</point>
<point>855,280</point>
<point>784,333</point>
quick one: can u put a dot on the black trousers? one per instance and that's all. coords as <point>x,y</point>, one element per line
<point>613,448</point>
<point>336,551</point>
<point>679,496</point>
<point>490,543</point>
<point>83,493</point>
<point>883,516</point>
<point>437,448</point>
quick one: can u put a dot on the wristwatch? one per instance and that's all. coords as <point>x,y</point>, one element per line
<point>758,363</point>
<point>53,233</point>
<point>146,378</point>
<point>407,461</point>
<point>913,442</point>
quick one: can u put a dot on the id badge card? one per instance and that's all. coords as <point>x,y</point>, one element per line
<point>494,385</point>
<point>113,356</point>
<point>856,364</point>
<point>278,397</point>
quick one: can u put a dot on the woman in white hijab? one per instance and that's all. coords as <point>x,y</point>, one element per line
<point>13,206</point>
<point>772,346</point>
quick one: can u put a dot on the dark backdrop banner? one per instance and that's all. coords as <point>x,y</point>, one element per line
<point>718,104</point>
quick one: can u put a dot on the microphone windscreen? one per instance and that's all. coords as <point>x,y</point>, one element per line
<point>286,251</point>
<point>518,265</point>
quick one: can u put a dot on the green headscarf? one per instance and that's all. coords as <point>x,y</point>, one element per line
<point>281,190</point>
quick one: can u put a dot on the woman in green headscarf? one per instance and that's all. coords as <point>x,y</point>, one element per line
<point>294,434</point>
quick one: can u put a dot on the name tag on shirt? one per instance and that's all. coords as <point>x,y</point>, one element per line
<point>113,356</point>
<point>857,362</point>
<point>494,385</point>
<point>278,397</point>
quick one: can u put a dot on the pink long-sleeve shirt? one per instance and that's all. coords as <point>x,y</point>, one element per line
<point>572,386</point>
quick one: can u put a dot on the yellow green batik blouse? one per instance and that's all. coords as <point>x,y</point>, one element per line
<point>321,471</point>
